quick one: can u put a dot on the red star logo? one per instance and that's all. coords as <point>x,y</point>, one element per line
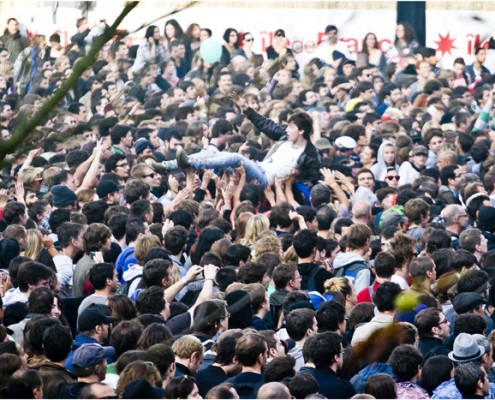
<point>445,44</point>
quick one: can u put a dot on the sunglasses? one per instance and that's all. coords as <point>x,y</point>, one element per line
<point>396,177</point>
<point>152,175</point>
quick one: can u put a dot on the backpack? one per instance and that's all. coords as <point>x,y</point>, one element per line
<point>311,279</point>
<point>124,289</point>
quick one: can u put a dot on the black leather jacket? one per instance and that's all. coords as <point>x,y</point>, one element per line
<point>308,163</point>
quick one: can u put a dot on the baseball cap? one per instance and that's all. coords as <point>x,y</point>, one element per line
<point>323,144</point>
<point>90,318</point>
<point>106,187</point>
<point>419,150</point>
<point>345,143</point>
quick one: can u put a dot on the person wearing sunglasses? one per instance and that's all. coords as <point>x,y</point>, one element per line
<point>392,177</point>
<point>246,48</point>
<point>409,170</point>
<point>278,47</point>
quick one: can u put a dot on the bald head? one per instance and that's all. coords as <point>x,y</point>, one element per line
<point>273,390</point>
<point>361,209</point>
<point>454,214</point>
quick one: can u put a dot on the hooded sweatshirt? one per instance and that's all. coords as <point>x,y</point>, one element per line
<point>353,266</point>
<point>380,168</point>
<point>134,271</point>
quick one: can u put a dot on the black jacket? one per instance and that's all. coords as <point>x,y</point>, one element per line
<point>331,386</point>
<point>430,347</point>
<point>308,163</point>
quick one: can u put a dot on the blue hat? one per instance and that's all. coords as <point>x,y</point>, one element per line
<point>62,196</point>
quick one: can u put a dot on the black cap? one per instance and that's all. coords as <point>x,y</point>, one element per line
<point>107,187</point>
<point>89,319</point>
<point>467,301</point>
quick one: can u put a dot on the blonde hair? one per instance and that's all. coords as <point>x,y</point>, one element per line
<point>267,242</point>
<point>29,175</point>
<point>58,62</point>
<point>185,346</point>
<point>143,245</point>
<point>341,285</point>
<point>255,226</point>
<point>240,224</point>
<point>86,195</point>
<point>34,245</point>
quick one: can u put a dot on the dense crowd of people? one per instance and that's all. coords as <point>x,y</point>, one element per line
<point>249,228</point>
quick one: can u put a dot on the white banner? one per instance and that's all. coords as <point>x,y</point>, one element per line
<point>452,33</point>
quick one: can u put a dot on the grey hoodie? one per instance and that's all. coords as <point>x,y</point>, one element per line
<point>380,168</point>
<point>359,273</point>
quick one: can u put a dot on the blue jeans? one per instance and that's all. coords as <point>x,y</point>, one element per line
<point>225,160</point>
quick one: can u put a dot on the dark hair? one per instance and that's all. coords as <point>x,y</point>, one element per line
<point>435,370</point>
<point>251,272</point>
<point>381,386</point>
<point>208,236</point>
<point>31,273</point>
<point>405,361</point>
<point>133,228</point>
<point>225,347</point>
<point>151,301</point>
<point>466,378</point>
<point>469,323</point>
<point>57,343</point>
<point>22,383</point>
<point>40,301</point>
<point>325,216</point>
<point>235,254</point>
<point>327,345</point>
<point>384,264</point>
<point>329,316</point>
<point>439,239</point>
<point>175,239</point>
<point>125,336</point>
<point>99,273</point>
<point>302,385</point>
<point>385,296</point>
<point>207,315</point>
<point>154,334</point>
<point>279,368</point>
<point>249,347</point>
<point>34,331</point>
<point>475,280</point>
<point>68,231</point>
<point>298,322</point>
<point>305,243</point>
<point>180,387</point>
<point>155,271</point>
<point>425,320</point>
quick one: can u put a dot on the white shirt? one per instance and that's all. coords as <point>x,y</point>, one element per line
<point>282,162</point>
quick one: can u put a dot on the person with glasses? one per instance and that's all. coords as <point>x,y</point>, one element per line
<point>278,47</point>
<point>209,318</point>
<point>118,164</point>
<point>231,38</point>
<point>246,49</point>
<point>392,177</point>
<point>452,181</point>
<point>410,170</point>
<point>433,328</point>
<point>456,219</point>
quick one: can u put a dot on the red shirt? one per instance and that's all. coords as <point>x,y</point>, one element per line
<point>364,295</point>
